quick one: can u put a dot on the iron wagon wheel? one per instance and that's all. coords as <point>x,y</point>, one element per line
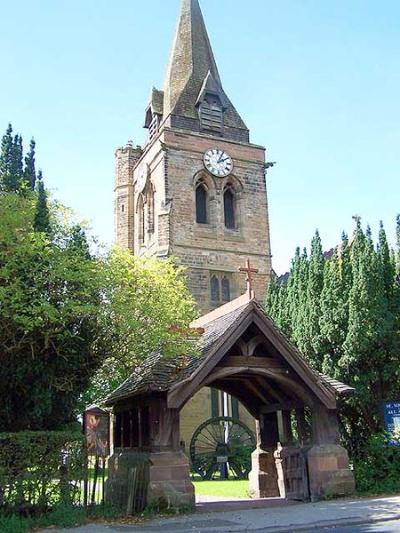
<point>222,446</point>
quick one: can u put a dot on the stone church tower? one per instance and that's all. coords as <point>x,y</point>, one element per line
<point>197,189</point>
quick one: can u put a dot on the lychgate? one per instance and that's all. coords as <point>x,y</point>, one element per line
<point>298,453</point>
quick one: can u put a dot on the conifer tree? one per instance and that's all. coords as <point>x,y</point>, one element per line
<point>30,170</point>
<point>334,314</point>
<point>398,241</point>
<point>311,343</point>
<point>299,316</point>
<point>17,160</point>
<point>272,300</point>
<point>7,179</point>
<point>42,215</point>
<point>357,337</point>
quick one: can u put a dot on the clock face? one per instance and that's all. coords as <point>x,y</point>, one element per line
<point>218,162</point>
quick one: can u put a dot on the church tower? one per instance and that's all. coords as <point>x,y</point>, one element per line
<point>197,188</point>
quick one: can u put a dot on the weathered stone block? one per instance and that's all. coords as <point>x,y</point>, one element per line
<point>162,476</point>
<point>263,478</point>
<point>329,472</point>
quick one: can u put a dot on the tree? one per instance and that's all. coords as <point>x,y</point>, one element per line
<point>398,241</point>
<point>17,168</point>
<point>30,168</point>
<point>310,329</point>
<point>148,309</point>
<point>7,179</point>
<point>72,324</point>
<point>48,324</point>
<point>343,313</point>
<point>42,214</point>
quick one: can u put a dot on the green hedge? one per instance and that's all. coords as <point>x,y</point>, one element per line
<point>378,470</point>
<point>40,470</point>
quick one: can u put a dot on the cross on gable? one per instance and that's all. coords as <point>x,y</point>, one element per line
<point>249,279</point>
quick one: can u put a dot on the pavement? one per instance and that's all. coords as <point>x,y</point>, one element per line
<point>346,516</point>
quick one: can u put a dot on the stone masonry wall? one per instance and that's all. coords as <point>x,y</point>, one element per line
<point>175,161</point>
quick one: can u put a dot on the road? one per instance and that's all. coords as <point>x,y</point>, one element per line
<point>381,527</point>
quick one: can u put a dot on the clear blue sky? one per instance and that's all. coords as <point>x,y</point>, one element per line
<point>317,82</point>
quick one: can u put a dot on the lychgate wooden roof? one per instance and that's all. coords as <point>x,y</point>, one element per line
<point>282,376</point>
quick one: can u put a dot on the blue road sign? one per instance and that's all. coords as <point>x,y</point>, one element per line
<point>392,419</point>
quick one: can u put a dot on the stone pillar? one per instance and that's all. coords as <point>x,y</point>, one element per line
<point>155,472</point>
<point>328,462</point>
<point>169,472</point>
<point>263,478</point>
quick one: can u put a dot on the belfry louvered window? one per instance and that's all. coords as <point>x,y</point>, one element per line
<point>211,114</point>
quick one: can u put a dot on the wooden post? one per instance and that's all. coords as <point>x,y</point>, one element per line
<point>287,434</point>
<point>325,426</point>
<point>269,430</point>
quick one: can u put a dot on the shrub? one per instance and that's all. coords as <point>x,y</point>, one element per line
<point>378,470</point>
<point>40,470</point>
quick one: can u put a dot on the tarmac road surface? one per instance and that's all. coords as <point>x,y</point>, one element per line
<point>393,526</point>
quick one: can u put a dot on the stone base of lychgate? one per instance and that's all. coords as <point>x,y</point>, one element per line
<point>169,480</point>
<point>136,480</point>
<point>329,472</point>
<point>263,478</point>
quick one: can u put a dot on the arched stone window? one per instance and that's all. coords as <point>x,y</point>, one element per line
<point>215,294</point>
<point>201,204</point>
<point>150,210</point>
<point>141,219</point>
<point>226,289</point>
<point>229,207</point>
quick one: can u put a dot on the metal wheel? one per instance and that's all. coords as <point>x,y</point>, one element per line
<point>221,448</point>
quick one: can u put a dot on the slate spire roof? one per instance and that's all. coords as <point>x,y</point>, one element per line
<point>191,66</point>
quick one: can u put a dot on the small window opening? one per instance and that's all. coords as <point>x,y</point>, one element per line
<point>141,220</point>
<point>201,204</point>
<point>215,289</point>
<point>226,290</point>
<point>229,208</point>
<point>150,211</point>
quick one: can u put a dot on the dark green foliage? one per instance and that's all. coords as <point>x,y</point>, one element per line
<point>17,168</point>
<point>30,169</point>
<point>311,305</point>
<point>49,332</point>
<point>42,214</point>
<point>14,175</point>
<point>377,469</point>
<point>398,241</point>
<point>7,179</point>
<point>60,516</point>
<point>38,471</point>
<point>343,313</point>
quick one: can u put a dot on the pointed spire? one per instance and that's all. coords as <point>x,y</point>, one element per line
<point>192,67</point>
<point>191,57</point>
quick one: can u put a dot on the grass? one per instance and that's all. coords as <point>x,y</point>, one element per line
<point>224,489</point>
<point>60,516</point>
